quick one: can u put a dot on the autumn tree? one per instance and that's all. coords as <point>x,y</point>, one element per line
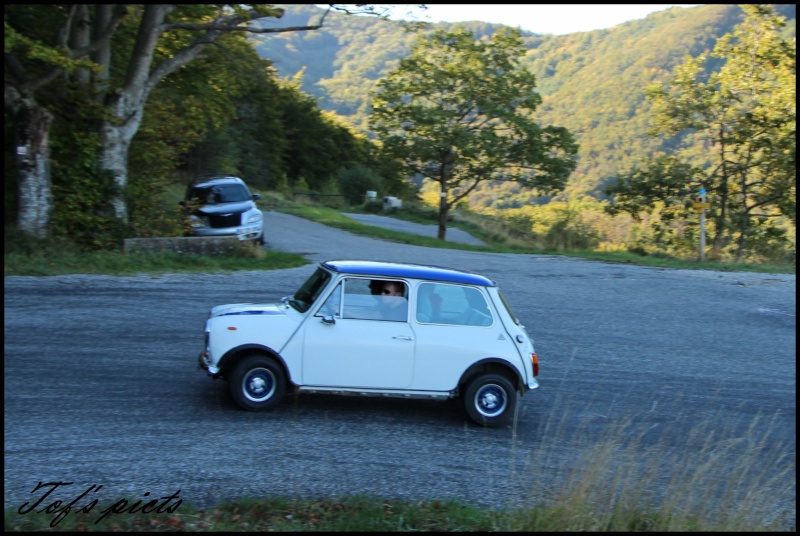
<point>745,116</point>
<point>78,42</point>
<point>460,111</point>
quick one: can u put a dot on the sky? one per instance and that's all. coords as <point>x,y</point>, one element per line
<point>543,18</point>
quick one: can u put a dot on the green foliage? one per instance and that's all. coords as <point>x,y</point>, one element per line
<point>745,114</point>
<point>276,135</point>
<point>241,130</point>
<point>81,190</point>
<point>356,181</point>
<point>665,181</point>
<point>229,111</point>
<point>301,185</point>
<point>226,111</point>
<point>591,83</point>
<point>175,121</point>
<point>556,226</point>
<point>373,207</point>
<point>460,111</point>
<point>318,145</point>
<point>31,44</point>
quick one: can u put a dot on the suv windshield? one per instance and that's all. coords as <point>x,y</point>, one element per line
<point>307,294</point>
<point>220,193</point>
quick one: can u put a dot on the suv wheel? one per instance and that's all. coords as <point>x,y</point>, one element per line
<point>490,399</point>
<point>257,383</point>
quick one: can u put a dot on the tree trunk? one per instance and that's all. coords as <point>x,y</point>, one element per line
<point>34,187</point>
<point>80,36</point>
<point>447,156</point>
<point>721,220</point>
<point>443,210</point>
<point>127,103</point>
<point>116,141</point>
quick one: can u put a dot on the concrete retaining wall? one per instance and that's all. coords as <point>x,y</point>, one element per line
<point>189,245</point>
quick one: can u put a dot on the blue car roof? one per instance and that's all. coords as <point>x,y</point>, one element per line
<point>414,271</point>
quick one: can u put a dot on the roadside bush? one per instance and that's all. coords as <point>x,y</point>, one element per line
<point>373,207</point>
<point>15,242</point>
<point>356,181</point>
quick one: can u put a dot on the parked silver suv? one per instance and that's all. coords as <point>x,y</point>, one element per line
<point>223,206</point>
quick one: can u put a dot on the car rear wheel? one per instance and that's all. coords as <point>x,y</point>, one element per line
<point>490,400</point>
<point>257,383</point>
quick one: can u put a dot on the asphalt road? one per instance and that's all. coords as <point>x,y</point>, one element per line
<point>101,387</point>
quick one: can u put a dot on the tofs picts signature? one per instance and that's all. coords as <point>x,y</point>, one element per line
<point>87,501</point>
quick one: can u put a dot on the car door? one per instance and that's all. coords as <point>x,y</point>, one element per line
<point>454,328</point>
<point>348,344</point>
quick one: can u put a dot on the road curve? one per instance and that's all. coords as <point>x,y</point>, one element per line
<point>453,234</point>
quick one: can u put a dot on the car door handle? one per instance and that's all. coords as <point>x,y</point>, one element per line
<point>403,337</point>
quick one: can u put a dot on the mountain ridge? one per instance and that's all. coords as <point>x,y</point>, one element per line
<point>593,83</point>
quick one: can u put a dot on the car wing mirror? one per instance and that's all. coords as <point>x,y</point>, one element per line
<point>328,319</point>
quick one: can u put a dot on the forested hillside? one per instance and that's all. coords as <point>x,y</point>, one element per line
<point>592,83</point>
<point>596,140</point>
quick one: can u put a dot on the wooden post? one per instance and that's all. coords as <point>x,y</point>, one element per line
<point>703,226</point>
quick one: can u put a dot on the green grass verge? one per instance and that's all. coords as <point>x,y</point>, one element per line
<point>356,514</point>
<point>117,263</point>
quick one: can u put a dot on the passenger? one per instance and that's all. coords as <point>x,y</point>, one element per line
<point>429,304</point>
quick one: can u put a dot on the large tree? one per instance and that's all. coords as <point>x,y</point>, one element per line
<point>79,43</point>
<point>460,111</point>
<point>41,45</point>
<point>745,114</point>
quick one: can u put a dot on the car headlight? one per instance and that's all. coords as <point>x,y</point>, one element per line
<point>197,222</point>
<point>255,218</point>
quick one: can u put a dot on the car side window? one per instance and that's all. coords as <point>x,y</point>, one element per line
<point>361,299</point>
<point>439,303</point>
<point>332,306</point>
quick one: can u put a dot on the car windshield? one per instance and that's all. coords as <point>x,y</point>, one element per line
<point>307,294</point>
<point>220,193</point>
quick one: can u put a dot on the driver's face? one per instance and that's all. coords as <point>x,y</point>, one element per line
<point>391,289</point>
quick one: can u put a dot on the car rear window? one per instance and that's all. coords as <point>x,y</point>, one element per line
<point>457,305</point>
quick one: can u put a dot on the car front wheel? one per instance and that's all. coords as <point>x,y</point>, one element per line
<point>490,400</point>
<point>257,383</point>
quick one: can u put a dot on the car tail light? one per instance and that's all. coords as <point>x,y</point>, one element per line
<point>535,363</point>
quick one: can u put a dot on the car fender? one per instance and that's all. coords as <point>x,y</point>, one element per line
<point>232,356</point>
<point>493,364</point>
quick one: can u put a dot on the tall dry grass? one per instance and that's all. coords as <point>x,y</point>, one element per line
<point>707,477</point>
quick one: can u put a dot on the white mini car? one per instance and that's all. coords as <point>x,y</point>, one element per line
<point>377,328</point>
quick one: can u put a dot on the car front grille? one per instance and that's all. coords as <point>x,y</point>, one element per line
<point>219,221</point>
